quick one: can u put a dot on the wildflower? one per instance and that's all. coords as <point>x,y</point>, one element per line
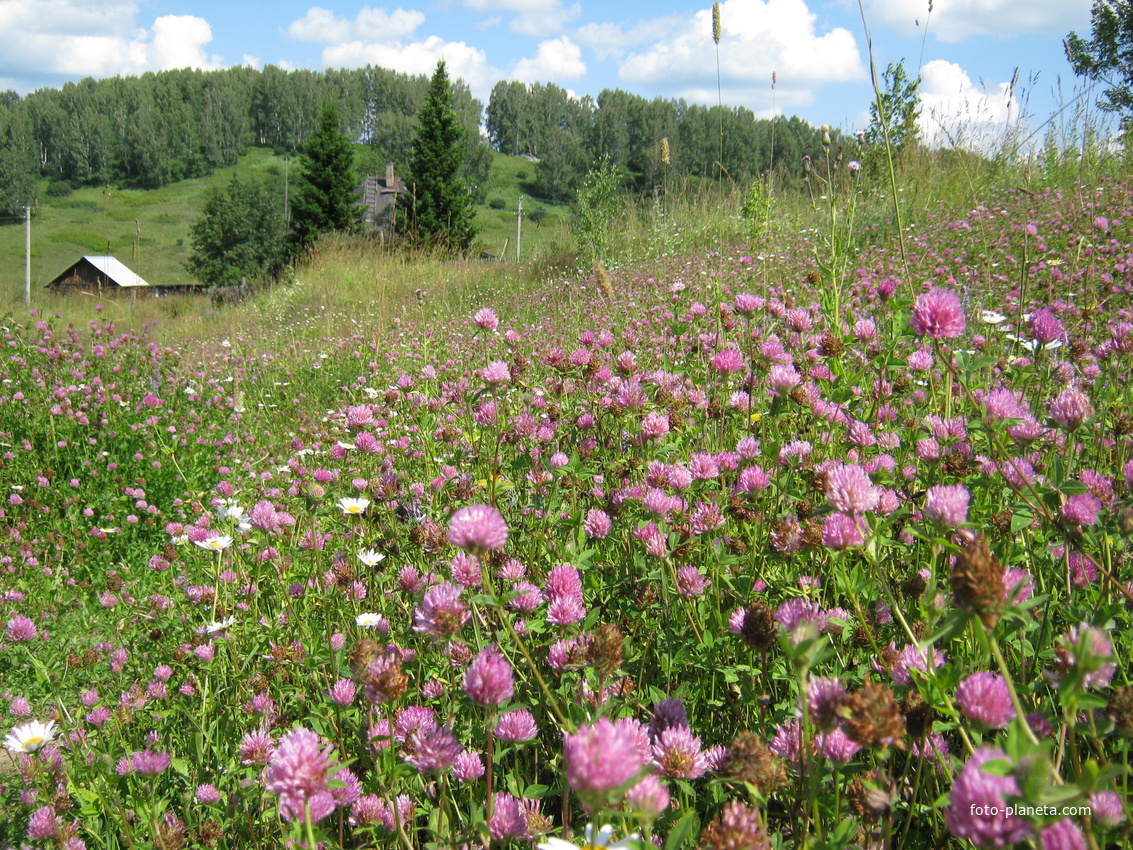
<point>30,737</point>
<point>342,691</point>
<point>298,773</point>
<point>486,319</point>
<point>1106,809</point>
<point>219,625</point>
<point>841,531</point>
<point>597,524</point>
<point>737,827</point>
<point>1087,651</point>
<point>1081,509</point>
<point>353,506</point>
<point>369,620</point>
<point>434,748</point>
<point>467,766</point>
<point>442,612</point>
<point>600,757</point>
<point>216,543</point>
<point>978,791</point>
<point>21,629</point>
<point>849,489</point>
<point>592,841</point>
<point>371,557</point>
<point>1071,409</point>
<point>43,823</point>
<point>516,726</point>
<point>977,581</point>
<point>509,817</point>
<point>947,505</point>
<point>985,700</point>
<point>477,529</point>
<point>938,314</point>
<point>873,718</point>
<point>256,747</point>
<point>488,679</point>
<point>207,793</point>
<point>149,762</point>
<point>677,754</point>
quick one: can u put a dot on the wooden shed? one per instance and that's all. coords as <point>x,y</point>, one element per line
<point>379,194</point>
<point>94,275</point>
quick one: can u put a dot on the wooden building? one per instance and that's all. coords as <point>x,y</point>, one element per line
<point>379,194</point>
<point>98,275</point>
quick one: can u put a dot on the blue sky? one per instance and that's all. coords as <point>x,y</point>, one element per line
<point>968,50</point>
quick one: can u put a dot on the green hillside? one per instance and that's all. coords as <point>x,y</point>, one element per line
<point>96,220</point>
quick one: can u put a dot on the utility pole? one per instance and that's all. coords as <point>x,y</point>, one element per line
<point>518,228</point>
<point>286,187</point>
<point>27,256</point>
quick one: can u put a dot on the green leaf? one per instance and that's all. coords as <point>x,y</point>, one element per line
<point>685,828</point>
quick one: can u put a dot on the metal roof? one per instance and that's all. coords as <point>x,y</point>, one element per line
<point>114,269</point>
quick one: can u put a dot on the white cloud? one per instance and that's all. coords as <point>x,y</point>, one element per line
<point>612,41</point>
<point>954,111</point>
<point>556,59</point>
<point>536,18</point>
<point>956,20</point>
<point>759,37</point>
<point>79,39</point>
<point>420,57</point>
<point>370,25</point>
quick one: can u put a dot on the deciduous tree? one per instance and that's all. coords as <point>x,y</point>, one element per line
<point>240,234</point>
<point>1105,58</point>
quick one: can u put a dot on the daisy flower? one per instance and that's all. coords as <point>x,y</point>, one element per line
<point>30,737</point>
<point>216,543</point>
<point>592,842</point>
<point>368,621</point>
<point>371,557</point>
<point>353,506</point>
<point>219,625</point>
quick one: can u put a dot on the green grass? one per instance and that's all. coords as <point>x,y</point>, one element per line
<point>96,220</point>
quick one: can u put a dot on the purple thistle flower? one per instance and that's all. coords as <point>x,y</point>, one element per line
<point>947,505</point>
<point>938,314</point>
<point>677,754</point>
<point>985,700</point>
<point>976,790</point>
<point>488,679</point>
<point>298,773</point>
<point>442,612</point>
<point>434,748</point>
<point>516,726</point>
<point>477,529</point>
<point>601,757</point>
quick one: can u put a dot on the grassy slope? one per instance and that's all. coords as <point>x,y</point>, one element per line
<point>93,221</point>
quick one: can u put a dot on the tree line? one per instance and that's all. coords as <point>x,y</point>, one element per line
<point>568,134</point>
<point>158,128</point>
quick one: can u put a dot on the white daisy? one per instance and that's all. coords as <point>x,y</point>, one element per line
<point>215,543</point>
<point>371,557</point>
<point>219,625</point>
<point>991,317</point>
<point>30,737</point>
<point>368,621</point>
<point>592,841</point>
<point>353,506</point>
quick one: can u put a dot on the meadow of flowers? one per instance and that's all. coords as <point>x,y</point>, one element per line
<point>744,549</point>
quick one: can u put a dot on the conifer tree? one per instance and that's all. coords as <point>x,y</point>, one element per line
<point>438,209</point>
<point>327,197</point>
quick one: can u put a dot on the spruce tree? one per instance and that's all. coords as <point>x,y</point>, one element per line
<point>327,196</point>
<point>438,209</point>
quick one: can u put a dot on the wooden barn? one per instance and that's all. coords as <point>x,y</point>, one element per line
<point>379,194</point>
<point>98,275</point>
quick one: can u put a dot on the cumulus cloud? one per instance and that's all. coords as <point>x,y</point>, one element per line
<point>374,25</point>
<point>613,41</point>
<point>955,111</point>
<point>956,20</point>
<point>420,58</point>
<point>556,59</point>
<point>759,37</point>
<point>536,18</point>
<point>79,39</point>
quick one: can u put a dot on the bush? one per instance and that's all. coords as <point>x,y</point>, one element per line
<point>60,188</point>
<point>497,203</point>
